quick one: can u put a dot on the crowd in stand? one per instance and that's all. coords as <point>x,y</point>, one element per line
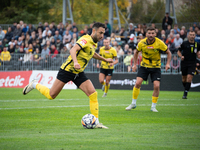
<point>48,40</point>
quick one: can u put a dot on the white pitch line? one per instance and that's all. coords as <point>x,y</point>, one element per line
<point>184,105</point>
<point>77,99</point>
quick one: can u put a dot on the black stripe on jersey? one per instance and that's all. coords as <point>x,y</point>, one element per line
<point>71,60</point>
<point>165,50</point>
<point>79,45</point>
<point>67,64</point>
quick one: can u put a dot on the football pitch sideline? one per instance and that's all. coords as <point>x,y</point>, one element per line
<point>33,122</point>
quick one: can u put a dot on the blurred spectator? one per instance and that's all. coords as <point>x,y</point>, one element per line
<point>45,51</point>
<point>60,29</point>
<point>8,35</point>
<point>48,43</point>
<point>40,26</point>
<point>112,38</point>
<point>27,56</point>
<point>14,26</point>
<point>176,29</point>
<point>172,38</point>
<point>67,37</point>
<point>194,25</point>
<point>16,48</point>
<point>31,29</point>
<point>17,32</point>
<point>167,20</point>
<point>46,32</point>
<point>184,29</point>
<point>175,64</point>
<point>120,51</point>
<point>19,42</point>
<point>53,51</point>
<point>1,46</point>
<point>5,55</point>
<point>25,29</point>
<point>32,38</point>
<point>59,45</point>
<point>52,29</point>
<point>20,54</point>
<point>74,26</point>
<point>126,48</point>
<point>167,31</point>
<point>57,35</point>
<point>132,44</point>
<point>36,55</point>
<point>11,48</point>
<point>178,41</point>
<point>65,50</point>
<point>127,60</point>
<point>2,34</point>
<point>182,35</point>
<point>123,34</point>
<point>90,29</point>
<point>171,45</point>
<point>163,38</point>
<point>108,27</point>
<point>197,38</point>
<point>12,41</point>
<point>34,45</point>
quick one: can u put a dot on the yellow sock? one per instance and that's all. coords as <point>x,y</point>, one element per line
<point>154,99</point>
<point>136,92</point>
<point>43,90</point>
<point>103,83</point>
<point>106,88</point>
<point>94,105</point>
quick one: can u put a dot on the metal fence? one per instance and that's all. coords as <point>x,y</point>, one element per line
<point>18,63</point>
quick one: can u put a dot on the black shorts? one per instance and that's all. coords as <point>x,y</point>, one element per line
<point>188,68</point>
<point>144,72</point>
<point>66,76</point>
<point>107,72</point>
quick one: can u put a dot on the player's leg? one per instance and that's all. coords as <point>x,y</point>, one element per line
<point>88,88</point>
<point>107,86</point>
<point>55,89</point>
<point>156,86</point>
<point>101,80</point>
<point>142,75</point>
<point>190,73</point>
<point>155,78</point>
<point>187,85</point>
<point>136,92</point>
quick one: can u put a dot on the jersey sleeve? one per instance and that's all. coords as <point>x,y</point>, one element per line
<point>82,42</point>
<point>163,46</point>
<point>139,46</point>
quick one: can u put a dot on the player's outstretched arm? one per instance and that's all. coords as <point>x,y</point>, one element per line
<point>97,56</point>
<point>73,55</point>
<point>169,56</point>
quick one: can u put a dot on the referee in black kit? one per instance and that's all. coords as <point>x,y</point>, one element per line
<point>188,53</point>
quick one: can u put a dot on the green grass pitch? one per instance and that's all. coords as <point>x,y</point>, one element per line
<point>32,122</point>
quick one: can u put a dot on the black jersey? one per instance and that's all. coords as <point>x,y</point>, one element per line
<point>189,51</point>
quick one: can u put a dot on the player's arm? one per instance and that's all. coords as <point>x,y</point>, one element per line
<point>169,56</point>
<point>179,52</point>
<point>73,55</point>
<point>115,62</point>
<point>97,56</point>
<point>135,58</point>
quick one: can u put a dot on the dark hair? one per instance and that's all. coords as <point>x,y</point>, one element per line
<point>151,28</point>
<point>98,25</point>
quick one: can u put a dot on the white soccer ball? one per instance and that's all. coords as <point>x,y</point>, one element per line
<point>89,121</point>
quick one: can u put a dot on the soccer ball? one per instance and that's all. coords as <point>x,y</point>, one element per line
<point>89,121</point>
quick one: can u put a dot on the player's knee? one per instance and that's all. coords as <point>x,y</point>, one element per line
<point>156,87</point>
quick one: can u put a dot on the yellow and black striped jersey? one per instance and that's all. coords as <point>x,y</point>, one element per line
<point>151,52</point>
<point>110,53</point>
<point>88,47</point>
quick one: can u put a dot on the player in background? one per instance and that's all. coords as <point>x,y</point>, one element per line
<point>73,70</point>
<point>188,53</point>
<point>151,48</point>
<point>106,69</point>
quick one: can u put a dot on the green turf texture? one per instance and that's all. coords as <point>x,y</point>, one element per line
<point>32,122</point>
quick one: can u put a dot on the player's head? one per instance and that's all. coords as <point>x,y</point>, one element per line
<point>191,36</point>
<point>106,43</point>
<point>151,33</point>
<point>98,30</point>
